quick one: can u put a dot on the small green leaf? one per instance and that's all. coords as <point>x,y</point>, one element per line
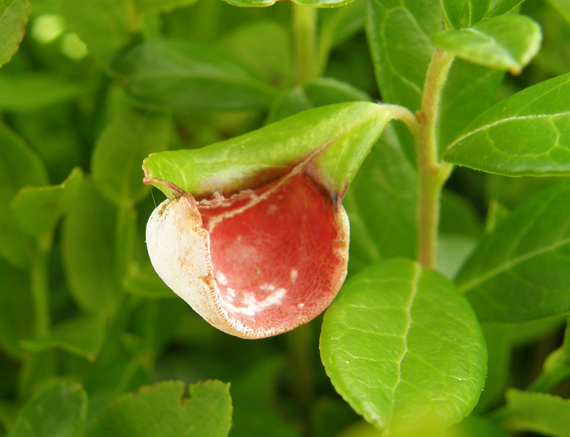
<point>83,336</point>
<point>160,411</point>
<point>28,91</point>
<point>88,252</point>
<point>537,412</point>
<point>507,42</point>
<point>101,24</point>
<point>182,75</point>
<point>264,46</point>
<point>13,20</point>
<point>521,271</point>
<point>37,209</point>
<point>58,411</point>
<point>462,13</point>
<point>162,5</point>
<point>527,134</point>
<point>120,149</point>
<point>500,7</point>
<point>19,167</point>
<point>404,348</point>
<point>16,310</point>
<point>381,203</point>
<point>340,136</point>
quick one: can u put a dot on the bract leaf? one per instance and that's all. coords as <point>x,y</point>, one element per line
<point>175,74</point>
<point>120,149</point>
<point>507,42</point>
<point>463,13</point>
<point>538,412</point>
<point>527,134</point>
<point>403,347</point>
<point>13,20</point>
<point>521,270</point>
<point>82,336</point>
<point>58,411</point>
<point>160,410</point>
<point>335,139</point>
<point>37,209</point>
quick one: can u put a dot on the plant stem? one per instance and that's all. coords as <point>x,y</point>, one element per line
<point>305,39</point>
<point>39,279</point>
<point>432,173</point>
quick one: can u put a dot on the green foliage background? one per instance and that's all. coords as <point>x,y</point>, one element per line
<point>93,343</point>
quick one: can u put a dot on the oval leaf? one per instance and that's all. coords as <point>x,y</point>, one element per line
<point>173,74</point>
<point>508,42</point>
<point>160,410</point>
<point>335,139</point>
<point>120,149</point>
<point>527,134</point>
<point>521,270</point>
<point>59,411</point>
<point>404,348</point>
<point>13,20</point>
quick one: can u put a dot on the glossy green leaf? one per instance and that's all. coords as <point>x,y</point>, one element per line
<point>88,252</point>
<point>265,47</point>
<point>462,13</point>
<point>525,134</point>
<point>116,161</point>
<point>101,24</point>
<point>398,34</point>
<point>37,209</point>
<point>16,310</point>
<point>404,348</point>
<point>160,410</point>
<point>83,336</point>
<point>162,5</point>
<point>521,270</point>
<point>381,203</point>
<point>537,412</point>
<point>13,20</point>
<point>24,92</point>
<point>174,74</point>
<point>19,167</point>
<point>58,411</point>
<point>469,90</point>
<point>340,136</point>
<point>507,42</point>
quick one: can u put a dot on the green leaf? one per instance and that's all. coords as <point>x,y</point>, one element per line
<point>83,336</point>
<point>116,161</point>
<point>102,24</point>
<point>265,47</point>
<point>16,310</point>
<point>537,412</point>
<point>19,167</point>
<point>398,34</point>
<point>463,13</point>
<point>28,91</point>
<point>88,252</point>
<point>404,348</point>
<point>381,203</point>
<point>525,134</point>
<point>13,20</point>
<point>182,75</point>
<point>340,135</point>
<point>37,209</point>
<point>507,42</point>
<point>521,270</point>
<point>142,280</point>
<point>160,411</point>
<point>556,366</point>
<point>563,8</point>
<point>500,7</point>
<point>58,411</point>
<point>162,5</point>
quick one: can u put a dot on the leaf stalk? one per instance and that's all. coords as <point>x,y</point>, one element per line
<point>305,40</point>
